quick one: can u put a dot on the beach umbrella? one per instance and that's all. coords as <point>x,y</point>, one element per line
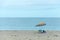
<point>40,25</point>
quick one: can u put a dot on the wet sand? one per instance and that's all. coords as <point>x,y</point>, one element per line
<point>28,35</point>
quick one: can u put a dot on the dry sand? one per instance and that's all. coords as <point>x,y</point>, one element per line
<point>28,35</point>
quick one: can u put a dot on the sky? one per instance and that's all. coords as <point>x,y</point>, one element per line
<point>29,8</point>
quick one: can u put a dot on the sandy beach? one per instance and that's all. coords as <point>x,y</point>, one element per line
<point>28,35</point>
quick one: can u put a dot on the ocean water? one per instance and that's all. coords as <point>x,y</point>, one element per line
<point>7,23</point>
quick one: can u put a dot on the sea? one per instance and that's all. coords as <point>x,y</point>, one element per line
<point>29,23</point>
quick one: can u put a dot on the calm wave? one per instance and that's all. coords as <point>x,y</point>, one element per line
<point>29,23</point>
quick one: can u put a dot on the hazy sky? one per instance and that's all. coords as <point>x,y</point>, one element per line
<point>29,8</point>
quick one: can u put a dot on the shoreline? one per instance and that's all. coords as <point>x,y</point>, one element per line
<point>29,35</point>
